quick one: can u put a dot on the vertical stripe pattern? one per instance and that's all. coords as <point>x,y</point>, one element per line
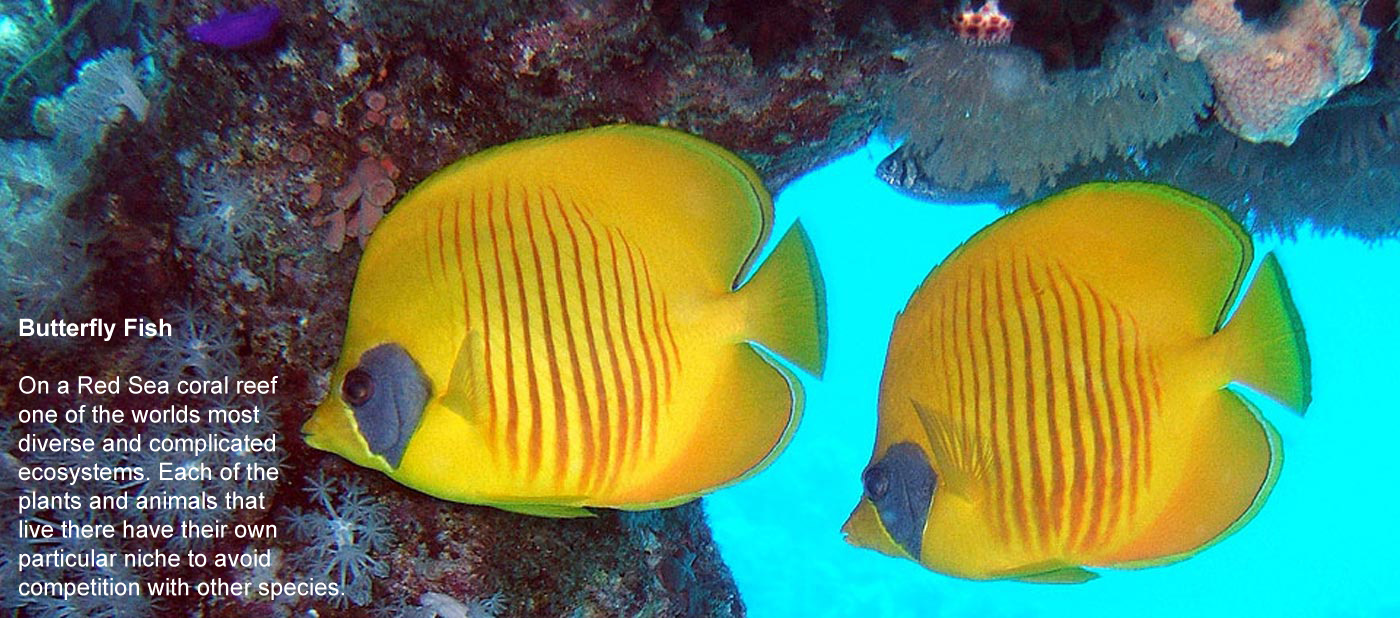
<point>1056,384</point>
<point>580,357</point>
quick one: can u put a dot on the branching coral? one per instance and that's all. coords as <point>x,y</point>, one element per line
<point>81,116</point>
<point>982,117</point>
<point>201,346</point>
<point>1269,78</point>
<point>342,537</point>
<point>43,253</point>
<point>219,216</point>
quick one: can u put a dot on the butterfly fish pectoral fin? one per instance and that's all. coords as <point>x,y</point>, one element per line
<point>757,401</point>
<point>466,385</point>
<point>1236,460</point>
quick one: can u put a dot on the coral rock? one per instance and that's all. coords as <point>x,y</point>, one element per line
<point>1269,78</point>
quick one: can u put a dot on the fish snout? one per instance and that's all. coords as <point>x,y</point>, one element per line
<point>318,429</point>
<point>864,528</point>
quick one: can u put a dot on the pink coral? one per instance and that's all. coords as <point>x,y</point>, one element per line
<point>372,186</point>
<point>1269,79</point>
<point>985,26</point>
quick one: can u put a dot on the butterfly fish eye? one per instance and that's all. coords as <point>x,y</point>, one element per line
<point>900,485</point>
<point>358,387</point>
<point>387,392</point>
<point>877,482</point>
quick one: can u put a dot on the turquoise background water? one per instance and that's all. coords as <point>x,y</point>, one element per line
<point>1325,544</point>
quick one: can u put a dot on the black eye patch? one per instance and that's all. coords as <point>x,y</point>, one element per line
<point>387,392</point>
<point>900,485</point>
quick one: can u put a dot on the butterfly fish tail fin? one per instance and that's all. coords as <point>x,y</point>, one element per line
<point>1265,335</point>
<point>786,304</point>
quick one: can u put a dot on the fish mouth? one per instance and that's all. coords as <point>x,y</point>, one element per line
<point>314,430</point>
<point>864,529</point>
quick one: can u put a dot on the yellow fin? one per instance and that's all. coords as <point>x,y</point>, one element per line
<point>786,304</point>
<point>1268,350</point>
<point>952,448</point>
<point>1067,575</point>
<point>758,402</point>
<point>466,387</point>
<point>1208,506</point>
<point>1047,572</point>
<point>546,510</point>
<point>698,212</point>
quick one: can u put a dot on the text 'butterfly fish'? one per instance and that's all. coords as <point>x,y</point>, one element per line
<point>577,320</point>
<point>1055,394</point>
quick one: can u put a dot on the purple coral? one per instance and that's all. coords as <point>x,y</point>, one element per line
<point>238,30</point>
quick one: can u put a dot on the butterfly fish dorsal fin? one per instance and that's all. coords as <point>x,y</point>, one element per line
<point>466,385</point>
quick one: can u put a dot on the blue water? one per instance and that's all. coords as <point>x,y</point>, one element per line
<point>1325,544</point>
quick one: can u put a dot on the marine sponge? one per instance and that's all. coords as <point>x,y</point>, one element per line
<point>975,117</point>
<point>341,537</point>
<point>1269,79</point>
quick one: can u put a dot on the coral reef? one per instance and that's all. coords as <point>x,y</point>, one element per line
<point>977,118</point>
<point>241,179</point>
<point>41,41</point>
<point>985,26</point>
<point>1067,34</point>
<point>45,254</point>
<point>166,168</point>
<point>1269,78</point>
<point>343,534</point>
<point>147,484</point>
<point>1341,175</point>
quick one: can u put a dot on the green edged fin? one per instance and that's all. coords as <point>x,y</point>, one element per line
<point>1068,575</point>
<point>1049,572</point>
<point>758,399</point>
<point>546,510</point>
<point>786,304</point>
<point>1265,336</point>
<point>1241,435</point>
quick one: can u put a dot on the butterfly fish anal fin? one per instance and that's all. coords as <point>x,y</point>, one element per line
<point>1048,572</point>
<point>546,510</point>
<point>1067,575</point>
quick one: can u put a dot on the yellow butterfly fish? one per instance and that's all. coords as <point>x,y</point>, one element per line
<point>1055,394</point>
<point>577,320</point>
